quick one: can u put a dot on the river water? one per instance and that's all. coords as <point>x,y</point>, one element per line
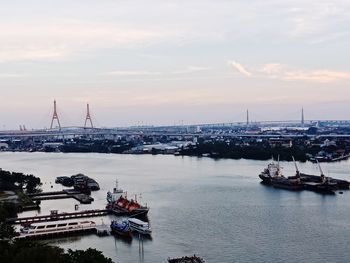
<point>213,208</point>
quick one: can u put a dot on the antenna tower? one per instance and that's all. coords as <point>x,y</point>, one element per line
<point>55,116</point>
<point>88,116</point>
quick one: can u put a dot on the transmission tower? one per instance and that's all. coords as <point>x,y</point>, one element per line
<point>88,116</point>
<point>55,116</point>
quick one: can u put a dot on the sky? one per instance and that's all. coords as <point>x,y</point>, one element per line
<point>161,62</point>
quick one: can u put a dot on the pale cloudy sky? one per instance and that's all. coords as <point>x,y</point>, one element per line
<point>163,62</point>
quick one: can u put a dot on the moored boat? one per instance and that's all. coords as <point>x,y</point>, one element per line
<point>42,229</point>
<point>124,206</point>
<point>285,183</point>
<point>272,175</point>
<point>272,171</point>
<point>139,226</point>
<point>121,228</point>
<point>310,180</point>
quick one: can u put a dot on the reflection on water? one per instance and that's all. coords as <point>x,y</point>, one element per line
<point>215,209</point>
<point>125,239</point>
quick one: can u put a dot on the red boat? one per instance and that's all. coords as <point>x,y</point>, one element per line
<point>123,206</point>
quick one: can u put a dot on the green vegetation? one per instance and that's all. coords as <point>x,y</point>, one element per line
<point>22,251</point>
<point>103,146</point>
<point>255,151</point>
<point>19,181</point>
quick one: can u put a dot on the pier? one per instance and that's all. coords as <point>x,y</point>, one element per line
<point>67,193</point>
<point>56,217</point>
<point>100,230</point>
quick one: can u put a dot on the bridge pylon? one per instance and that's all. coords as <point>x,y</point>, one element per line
<point>88,116</point>
<point>55,116</point>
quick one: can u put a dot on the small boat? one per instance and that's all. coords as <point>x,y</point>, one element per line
<point>186,259</point>
<point>121,228</point>
<point>84,183</point>
<point>139,226</point>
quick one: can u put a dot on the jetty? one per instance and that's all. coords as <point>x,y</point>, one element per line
<point>100,230</point>
<point>67,193</point>
<point>54,216</point>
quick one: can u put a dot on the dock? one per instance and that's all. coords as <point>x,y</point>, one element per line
<point>67,193</point>
<point>58,216</point>
<point>100,230</point>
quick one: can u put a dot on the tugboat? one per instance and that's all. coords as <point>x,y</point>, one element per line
<point>123,206</point>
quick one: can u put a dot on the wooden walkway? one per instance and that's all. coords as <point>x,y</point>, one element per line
<point>56,217</point>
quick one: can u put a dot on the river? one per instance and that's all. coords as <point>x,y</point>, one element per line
<point>213,208</point>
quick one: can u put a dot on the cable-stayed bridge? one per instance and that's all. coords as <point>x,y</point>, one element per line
<point>91,130</point>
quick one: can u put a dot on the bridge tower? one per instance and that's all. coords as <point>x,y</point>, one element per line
<point>302,117</point>
<point>55,116</point>
<point>88,116</point>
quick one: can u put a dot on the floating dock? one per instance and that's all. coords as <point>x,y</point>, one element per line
<point>100,230</point>
<point>56,217</point>
<point>77,195</point>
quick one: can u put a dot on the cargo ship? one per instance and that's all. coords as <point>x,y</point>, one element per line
<point>124,206</point>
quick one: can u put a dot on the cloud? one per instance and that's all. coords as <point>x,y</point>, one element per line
<point>191,69</point>
<point>288,73</point>
<point>284,72</point>
<point>131,73</point>
<point>186,70</point>
<point>61,40</point>
<point>239,67</point>
<point>12,75</point>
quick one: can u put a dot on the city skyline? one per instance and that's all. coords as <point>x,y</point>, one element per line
<point>164,61</point>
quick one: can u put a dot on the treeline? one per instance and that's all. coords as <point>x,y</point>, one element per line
<point>19,181</point>
<point>33,252</point>
<point>105,146</point>
<point>254,152</point>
